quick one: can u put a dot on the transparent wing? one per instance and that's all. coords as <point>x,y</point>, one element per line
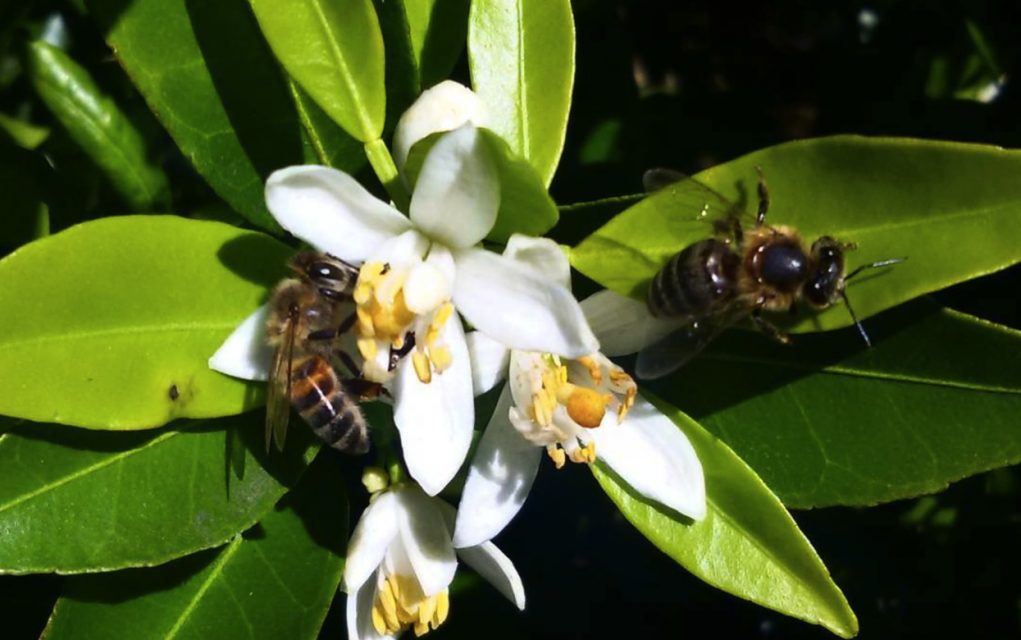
<point>673,351</point>
<point>700,201</point>
<point>278,402</point>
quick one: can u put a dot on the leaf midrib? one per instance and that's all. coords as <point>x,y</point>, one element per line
<point>214,575</point>
<point>196,327</point>
<point>343,70</point>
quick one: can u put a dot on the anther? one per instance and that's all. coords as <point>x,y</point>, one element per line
<point>593,368</point>
<point>423,369</point>
<point>557,455</point>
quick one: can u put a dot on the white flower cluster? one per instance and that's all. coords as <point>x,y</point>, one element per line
<point>421,274</point>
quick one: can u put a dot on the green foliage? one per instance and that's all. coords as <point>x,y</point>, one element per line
<point>335,52</point>
<point>24,181</point>
<point>132,307</point>
<point>437,30</point>
<point>747,544</point>
<point>521,54</point>
<point>825,422</point>
<point>926,201</point>
<point>98,126</point>
<point>75,501</point>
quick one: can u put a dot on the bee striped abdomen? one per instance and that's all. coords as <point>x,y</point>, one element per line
<point>319,396</point>
<point>695,280</point>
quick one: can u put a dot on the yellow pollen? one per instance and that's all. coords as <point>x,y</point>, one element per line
<point>557,455</point>
<point>426,611</point>
<point>377,620</point>
<point>442,608</point>
<point>422,368</point>
<point>421,629</point>
<point>400,604</point>
<point>586,454</point>
<point>593,368</point>
<point>440,357</point>
<point>365,326</point>
<point>388,606</point>
<point>585,406</point>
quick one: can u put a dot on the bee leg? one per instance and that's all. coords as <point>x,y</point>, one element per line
<point>397,354</point>
<point>322,334</point>
<point>768,328</point>
<point>364,389</point>
<point>349,363</point>
<point>763,198</point>
<point>346,325</point>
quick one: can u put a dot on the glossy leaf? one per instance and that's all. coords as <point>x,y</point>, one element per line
<point>276,580</point>
<point>208,75</point>
<point>747,544</point>
<point>335,52</point>
<point>438,29</point>
<point>24,134</point>
<point>525,205</point>
<point>828,422</point>
<point>952,209</point>
<point>121,316</point>
<point>331,145</point>
<point>78,501</point>
<point>403,80</point>
<point>521,54</point>
<point>98,126</point>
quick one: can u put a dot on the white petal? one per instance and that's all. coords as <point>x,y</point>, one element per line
<point>426,540</point>
<point>402,250</point>
<point>436,419</point>
<point>543,255</point>
<point>498,570</point>
<point>245,354</point>
<point>429,283</point>
<point>501,474</point>
<point>652,455</point>
<point>443,107</point>
<point>458,190</point>
<point>511,304</point>
<point>490,360</point>
<point>332,212</point>
<point>376,530</point>
<point>623,325</point>
<point>359,613</point>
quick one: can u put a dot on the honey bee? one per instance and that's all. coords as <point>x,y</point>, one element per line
<point>307,318</point>
<point>739,272</point>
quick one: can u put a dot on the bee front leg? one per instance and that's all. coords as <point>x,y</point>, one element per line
<point>763,198</point>
<point>768,328</point>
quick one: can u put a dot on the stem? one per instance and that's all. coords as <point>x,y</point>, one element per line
<point>383,164</point>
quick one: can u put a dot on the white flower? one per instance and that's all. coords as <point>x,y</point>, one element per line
<point>576,408</point>
<point>416,271</point>
<point>400,563</point>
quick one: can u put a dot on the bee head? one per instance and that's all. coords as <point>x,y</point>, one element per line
<point>826,279</point>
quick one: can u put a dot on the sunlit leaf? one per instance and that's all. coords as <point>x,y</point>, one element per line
<point>78,501</point>
<point>951,209</point>
<point>521,54</point>
<point>110,324</point>
<point>335,52</point>
<point>747,544</point>
<point>98,126</point>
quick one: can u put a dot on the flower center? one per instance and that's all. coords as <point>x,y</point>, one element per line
<point>384,319</point>
<point>400,604</point>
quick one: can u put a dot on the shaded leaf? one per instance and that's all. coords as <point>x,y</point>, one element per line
<point>747,544</point>
<point>331,145</point>
<point>223,100</point>
<point>521,54</point>
<point>24,182</point>
<point>438,29</point>
<point>81,501</point>
<point>827,422</point>
<point>892,197</point>
<point>334,50</point>
<point>24,134</point>
<point>98,126</point>
<point>115,312</point>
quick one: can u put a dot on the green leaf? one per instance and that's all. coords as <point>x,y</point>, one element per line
<point>438,29</point>
<point>747,544</point>
<point>98,126</point>
<point>826,422</point>
<point>403,82</point>
<point>24,134</point>
<point>335,52</point>
<point>105,318</point>
<point>276,580</point>
<point>952,209</point>
<point>208,75</point>
<point>25,178</point>
<point>525,205</point>
<point>76,501</point>
<point>521,54</point>
<point>331,145</point>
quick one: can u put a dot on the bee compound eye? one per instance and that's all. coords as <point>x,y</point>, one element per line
<point>784,265</point>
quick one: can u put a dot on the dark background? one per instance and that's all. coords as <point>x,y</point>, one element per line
<point>688,85</point>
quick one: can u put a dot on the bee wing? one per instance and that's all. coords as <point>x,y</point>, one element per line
<point>278,403</point>
<point>673,351</point>
<point>699,200</point>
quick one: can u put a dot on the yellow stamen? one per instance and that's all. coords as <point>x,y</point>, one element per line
<point>557,455</point>
<point>367,347</point>
<point>365,326</point>
<point>441,357</point>
<point>422,368</point>
<point>585,406</point>
<point>586,454</point>
<point>593,368</point>
<point>426,610</point>
<point>377,620</point>
<point>388,604</point>
<point>421,629</point>
<point>442,608</point>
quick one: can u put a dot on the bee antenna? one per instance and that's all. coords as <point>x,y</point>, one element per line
<point>861,329</point>
<point>874,265</point>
